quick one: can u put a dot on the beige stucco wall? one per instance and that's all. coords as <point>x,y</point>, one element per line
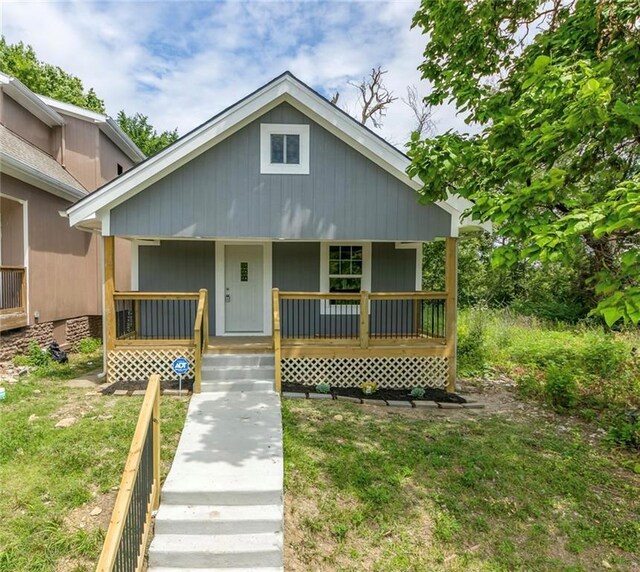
<point>63,273</point>
<point>110,158</point>
<point>11,233</point>
<point>81,151</point>
<point>28,126</point>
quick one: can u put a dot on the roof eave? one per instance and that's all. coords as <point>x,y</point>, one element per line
<point>14,168</point>
<point>15,89</point>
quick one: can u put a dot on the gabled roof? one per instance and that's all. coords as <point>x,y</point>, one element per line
<point>24,161</point>
<point>107,125</point>
<point>91,210</point>
<point>15,89</point>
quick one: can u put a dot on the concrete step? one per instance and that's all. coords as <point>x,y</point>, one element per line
<point>222,550</point>
<point>225,360</point>
<point>218,385</point>
<point>210,373</point>
<point>218,519</point>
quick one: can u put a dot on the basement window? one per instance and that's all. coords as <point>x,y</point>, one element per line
<point>284,149</point>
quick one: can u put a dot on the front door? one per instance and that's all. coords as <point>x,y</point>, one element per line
<point>243,289</point>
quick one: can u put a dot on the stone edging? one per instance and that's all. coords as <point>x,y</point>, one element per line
<point>383,402</point>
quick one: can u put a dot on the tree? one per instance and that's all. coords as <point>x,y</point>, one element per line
<point>554,87</point>
<point>421,112</point>
<point>374,97</point>
<point>20,61</point>
<point>148,140</point>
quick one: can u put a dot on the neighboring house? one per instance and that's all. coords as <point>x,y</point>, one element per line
<point>306,232</point>
<point>51,155</point>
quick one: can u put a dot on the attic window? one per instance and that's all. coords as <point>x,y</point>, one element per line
<point>284,149</point>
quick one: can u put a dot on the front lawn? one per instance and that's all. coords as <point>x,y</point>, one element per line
<point>381,489</point>
<point>52,479</point>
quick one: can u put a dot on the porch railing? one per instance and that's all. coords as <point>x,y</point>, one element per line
<point>201,336</point>
<point>364,319</point>
<point>139,493</point>
<point>13,286</point>
<point>13,297</point>
<point>155,316</point>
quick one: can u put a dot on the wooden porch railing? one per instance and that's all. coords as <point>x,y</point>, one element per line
<point>13,297</point>
<point>139,493</point>
<point>201,337</point>
<point>365,324</point>
<point>138,320</point>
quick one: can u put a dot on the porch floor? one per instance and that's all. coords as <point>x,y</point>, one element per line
<point>239,344</point>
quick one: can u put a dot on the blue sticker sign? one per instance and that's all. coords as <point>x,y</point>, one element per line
<point>180,366</point>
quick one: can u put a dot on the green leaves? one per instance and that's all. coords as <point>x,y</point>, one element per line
<point>556,166</point>
<point>20,61</point>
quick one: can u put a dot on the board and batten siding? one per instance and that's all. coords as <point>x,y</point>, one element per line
<point>296,267</point>
<point>178,266</point>
<point>221,193</point>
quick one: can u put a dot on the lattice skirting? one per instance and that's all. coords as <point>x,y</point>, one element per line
<point>139,364</point>
<point>388,372</point>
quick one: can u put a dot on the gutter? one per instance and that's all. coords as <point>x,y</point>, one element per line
<point>15,168</point>
<point>112,130</point>
<point>15,89</point>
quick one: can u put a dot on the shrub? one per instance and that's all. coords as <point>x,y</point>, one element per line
<point>323,387</point>
<point>560,387</point>
<point>625,430</point>
<point>418,392</point>
<point>38,357</point>
<point>89,345</point>
<point>369,387</point>
<point>472,351</point>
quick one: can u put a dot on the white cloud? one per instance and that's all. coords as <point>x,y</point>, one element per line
<point>182,62</point>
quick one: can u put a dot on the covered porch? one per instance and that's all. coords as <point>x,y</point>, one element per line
<point>397,339</point>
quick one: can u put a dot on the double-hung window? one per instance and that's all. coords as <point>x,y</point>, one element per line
<point>284,149</point>
<point>346,269</point>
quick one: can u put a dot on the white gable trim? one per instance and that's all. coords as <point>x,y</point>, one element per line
<point>284,89</point>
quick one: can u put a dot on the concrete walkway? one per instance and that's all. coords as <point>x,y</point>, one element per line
<point>221,505</point>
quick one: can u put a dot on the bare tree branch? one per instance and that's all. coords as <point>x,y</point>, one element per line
<point>335,97</point>
<point>421,111</point>
<point>374,97</point>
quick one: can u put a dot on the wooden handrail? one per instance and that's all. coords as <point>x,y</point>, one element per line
<point>200,334</point>
<point>150,410</point>
<point>5,267</point>
<point>356,296</point>
<point>155,295</point>
<point>277,339</point>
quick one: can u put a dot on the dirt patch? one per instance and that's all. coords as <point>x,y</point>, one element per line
<point>82,517</point>
<point>129,386</point>
<point>437,395</point>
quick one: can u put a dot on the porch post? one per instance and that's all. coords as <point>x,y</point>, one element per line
<point>451,287</point>
<point>109,289</point>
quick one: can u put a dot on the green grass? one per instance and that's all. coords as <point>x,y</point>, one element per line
<point>48,475</point>
<point>402,491</point>
<point>579,369</point>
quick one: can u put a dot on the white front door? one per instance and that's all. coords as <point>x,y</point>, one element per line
<point>243,289</point>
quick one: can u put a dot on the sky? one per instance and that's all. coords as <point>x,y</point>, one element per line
<point>181,62</point>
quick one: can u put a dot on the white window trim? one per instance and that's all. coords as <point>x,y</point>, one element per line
<point>25,249</point>
<point>269,168</point>
<point>324,275</point>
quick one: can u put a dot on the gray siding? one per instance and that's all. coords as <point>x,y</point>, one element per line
<point>392,269</point>
<point>296,267</point>
<point>221,193</point>
<point>178,266</point>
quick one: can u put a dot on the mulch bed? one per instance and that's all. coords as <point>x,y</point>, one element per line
<point>437,395</point>
<point>187,385</point>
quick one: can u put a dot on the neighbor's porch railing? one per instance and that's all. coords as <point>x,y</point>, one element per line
<point>139,493</point>
<point>13,297</point>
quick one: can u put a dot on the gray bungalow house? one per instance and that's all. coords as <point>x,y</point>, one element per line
<point>280,225</point>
